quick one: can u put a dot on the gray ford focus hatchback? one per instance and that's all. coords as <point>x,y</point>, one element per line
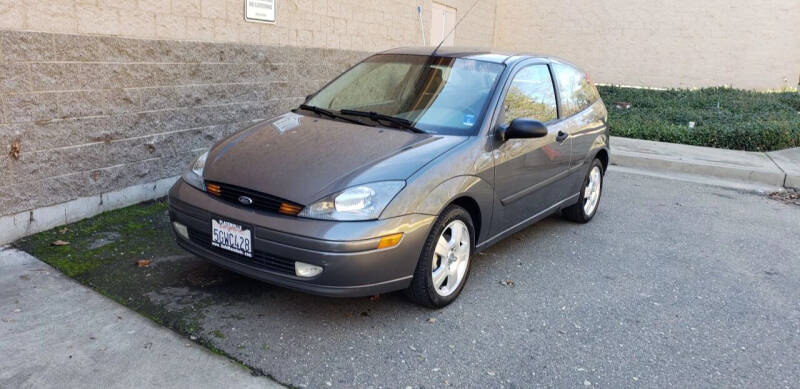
<point>393,175</point>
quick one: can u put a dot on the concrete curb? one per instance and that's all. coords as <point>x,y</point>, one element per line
<point>789,161</point>
<point>779,169</point>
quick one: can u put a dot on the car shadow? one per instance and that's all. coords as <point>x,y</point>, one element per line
<point>233,288</point>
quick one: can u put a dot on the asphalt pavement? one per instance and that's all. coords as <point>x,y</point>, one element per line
<point>673,284</point>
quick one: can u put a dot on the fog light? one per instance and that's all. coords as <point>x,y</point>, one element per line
<point>306,270</point>
<point>181,230</point>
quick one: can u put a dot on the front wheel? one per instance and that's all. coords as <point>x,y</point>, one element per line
<point>589,198</point>
<point>443,266</point>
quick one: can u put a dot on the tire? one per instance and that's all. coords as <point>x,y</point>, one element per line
<point>578,212</point>
<point>453,266</point>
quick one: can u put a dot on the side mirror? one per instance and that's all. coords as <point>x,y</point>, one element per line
<point>525,128</point>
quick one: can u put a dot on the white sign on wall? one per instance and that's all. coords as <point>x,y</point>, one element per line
<point>259,11</point>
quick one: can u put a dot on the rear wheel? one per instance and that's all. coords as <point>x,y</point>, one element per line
<point>443,266</point>
<point>589,199</point>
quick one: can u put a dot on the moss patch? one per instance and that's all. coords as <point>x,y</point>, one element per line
<point>218,334</point>
<point>126,233</point>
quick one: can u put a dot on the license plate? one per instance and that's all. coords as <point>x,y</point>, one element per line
<point>232,237</point>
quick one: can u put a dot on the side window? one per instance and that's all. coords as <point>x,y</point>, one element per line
<point>531,95</point>
<point>575,89</point>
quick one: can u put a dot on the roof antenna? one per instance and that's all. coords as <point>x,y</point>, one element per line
<point>454,27</point>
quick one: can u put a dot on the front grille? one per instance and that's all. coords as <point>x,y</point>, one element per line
<point>260,258</point>
<point>261,201</point>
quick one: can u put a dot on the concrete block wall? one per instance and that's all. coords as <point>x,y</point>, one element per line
<point>680,43</point>
<point>94,114</point>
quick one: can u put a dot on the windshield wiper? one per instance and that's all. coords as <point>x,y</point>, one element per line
<point>378,117</point>
<point>324,112</point>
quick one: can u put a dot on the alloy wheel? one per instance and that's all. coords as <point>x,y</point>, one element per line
<point>451,258</point>
<point>591,194</point>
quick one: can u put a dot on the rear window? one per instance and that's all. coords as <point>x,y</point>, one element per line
<point>575,90</point>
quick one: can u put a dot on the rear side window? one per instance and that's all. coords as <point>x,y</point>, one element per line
<point>531,95</point>
<point>575,90</point>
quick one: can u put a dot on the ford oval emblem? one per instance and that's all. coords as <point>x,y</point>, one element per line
<point>245,200</point>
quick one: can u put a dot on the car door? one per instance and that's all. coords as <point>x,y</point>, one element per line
<point>529,172</point>
<point>582,112</point>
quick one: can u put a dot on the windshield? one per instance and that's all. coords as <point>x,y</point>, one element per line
<point>438,95</point>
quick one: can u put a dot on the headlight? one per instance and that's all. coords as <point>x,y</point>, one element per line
<point>194,176</point>
<point>363,202</point>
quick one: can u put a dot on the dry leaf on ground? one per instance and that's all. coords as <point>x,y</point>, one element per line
<point>788,196</point>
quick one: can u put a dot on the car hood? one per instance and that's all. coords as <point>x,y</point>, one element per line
<point>302,159</point>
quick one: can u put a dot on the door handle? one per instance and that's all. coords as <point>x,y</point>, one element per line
<point>561,136</point>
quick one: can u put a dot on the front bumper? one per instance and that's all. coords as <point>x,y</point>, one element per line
<point>352,266</point>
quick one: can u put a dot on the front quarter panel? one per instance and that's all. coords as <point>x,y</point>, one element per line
<point>465,171</point>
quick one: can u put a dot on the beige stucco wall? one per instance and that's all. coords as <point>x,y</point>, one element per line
<point>679,43</point>
<point>478,29</point>
<point>365,25</point>
<point>676,43</point>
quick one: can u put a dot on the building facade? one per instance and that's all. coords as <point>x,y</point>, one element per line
<point>103,103</point>
<point>677,43</point>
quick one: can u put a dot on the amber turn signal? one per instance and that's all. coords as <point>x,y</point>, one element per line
<point>213,189</point>
<point>289,209</point>
<point>390,240</point>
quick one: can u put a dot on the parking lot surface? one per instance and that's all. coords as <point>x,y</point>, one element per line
<point>672,284</point>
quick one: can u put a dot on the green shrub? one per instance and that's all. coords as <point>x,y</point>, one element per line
<point>724,117</point>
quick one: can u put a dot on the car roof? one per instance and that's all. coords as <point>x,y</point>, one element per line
<point>480,54</point>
